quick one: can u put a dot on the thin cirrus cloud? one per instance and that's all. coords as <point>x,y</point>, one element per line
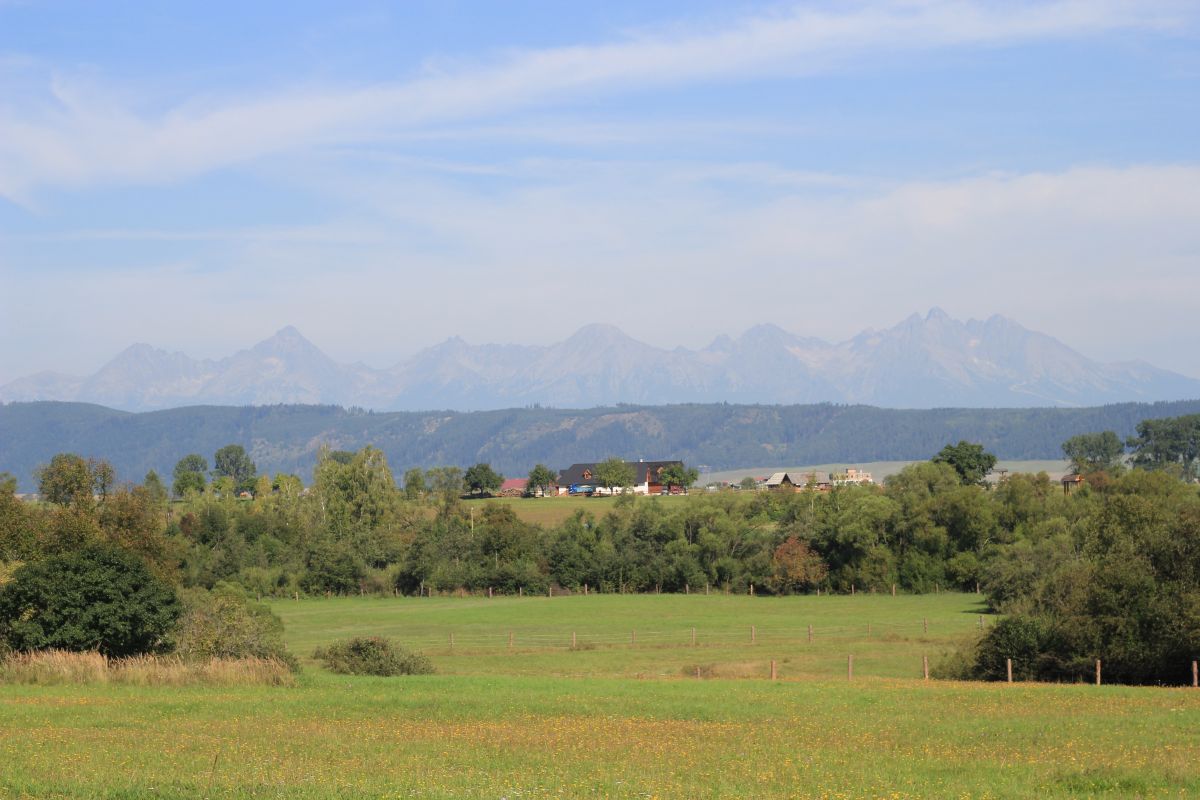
<point>77,133</point>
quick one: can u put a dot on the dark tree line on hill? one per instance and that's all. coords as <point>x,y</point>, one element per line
<point>1111,570</point>
<point>721,436</point>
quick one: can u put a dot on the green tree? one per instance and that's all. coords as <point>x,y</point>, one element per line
<point>103,476</point>
<point>541,477</point>
<point>8,483</point>
<point>155,488</point>
<point>66,481</point>
<point>232,462</point>
<point>189,474</point>
<point>1172,443</point>
<point>445,482</point>
<point>613,473</point>
<point>678,475</point>
<point>970,461</point>
<point>1093,452</point>
<point>748,483</point>
<point>97,598</point>
<point>414,483</point>
<point>482,478</point>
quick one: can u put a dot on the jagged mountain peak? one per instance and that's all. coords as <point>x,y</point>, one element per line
<point>930,360</point>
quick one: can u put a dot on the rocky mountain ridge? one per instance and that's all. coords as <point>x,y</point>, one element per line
<point>926,361</point>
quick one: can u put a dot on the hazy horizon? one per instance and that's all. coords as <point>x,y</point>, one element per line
<point>384,178</point>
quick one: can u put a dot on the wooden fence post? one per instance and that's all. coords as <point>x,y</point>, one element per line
<point>520,591</point>
<point>893,590</point>
<point>633,637</point>
<point>693,637</point>
<point>489,593</point>
<point>925,623</point>
<point>773,673</point>
<point>925,667</point>
<point>981,622</point>
<point>451,640</point>
<point>574,642</point>
<point>753,634</point>
<point>868,629</point>
<point>1097,672</point>
<point>510,640</point>
<point>810,634</point>
<point>1008,667</point>
<point>687,588</point>
<point>585,590</point>
<point>697,673</point>
<point>852,590</point>
<point>850,667</point>
<point>937,589</point>
<point>550,590</point>
<point>752,590</point>
<point>706,587</point>
<point>1195,674</point>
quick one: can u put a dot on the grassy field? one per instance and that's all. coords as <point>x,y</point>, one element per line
<point>551,511</point>
<point>612,718</point>
<point>879,469</point>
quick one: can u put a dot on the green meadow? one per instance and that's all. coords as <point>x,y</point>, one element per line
<point>619,715</point>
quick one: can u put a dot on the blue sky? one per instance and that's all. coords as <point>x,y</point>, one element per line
<point>384,176</point>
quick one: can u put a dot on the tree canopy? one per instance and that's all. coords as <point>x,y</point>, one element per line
<point>98,598</point>
<point>614,473</point>
<point>541,477</point>
<point>481,478</point>
<point>970,461</point>
<point>1093,452</point>
<point>189,474</point>
<point>232,462</point>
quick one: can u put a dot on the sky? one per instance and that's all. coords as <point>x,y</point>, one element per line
<point>384,176</point>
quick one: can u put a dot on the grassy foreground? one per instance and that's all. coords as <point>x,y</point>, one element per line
<point>547,721</point>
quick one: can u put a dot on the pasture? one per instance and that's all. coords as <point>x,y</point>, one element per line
<point>620,715</point>
<point>552,511</point>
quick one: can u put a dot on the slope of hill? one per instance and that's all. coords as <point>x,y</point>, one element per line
<point>714,436</point>
<point>922,362</point>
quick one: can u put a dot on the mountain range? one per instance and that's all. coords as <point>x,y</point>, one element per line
<point>930,361</point>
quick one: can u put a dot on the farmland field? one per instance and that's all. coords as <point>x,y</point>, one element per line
<point>551,511</point>
<point>621,715</point>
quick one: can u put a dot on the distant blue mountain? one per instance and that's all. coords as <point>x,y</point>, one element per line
<point>923,362</point>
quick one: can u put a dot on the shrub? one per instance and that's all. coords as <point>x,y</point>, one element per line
<point>225,624</point>
<point>372,655</point>
<point>98,598</point>
<point>1023,639</point>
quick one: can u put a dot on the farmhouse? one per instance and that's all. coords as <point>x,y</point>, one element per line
<point>581,478</point>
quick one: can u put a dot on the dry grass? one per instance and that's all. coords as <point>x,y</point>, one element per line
<point>62,667</point>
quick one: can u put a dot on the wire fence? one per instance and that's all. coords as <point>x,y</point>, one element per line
<point>449,640</point>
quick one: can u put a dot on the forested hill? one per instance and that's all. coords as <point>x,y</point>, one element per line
<point>721,436</point>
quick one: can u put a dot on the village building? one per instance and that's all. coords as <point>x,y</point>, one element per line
<point>851,476</point>
<point>647,478</point>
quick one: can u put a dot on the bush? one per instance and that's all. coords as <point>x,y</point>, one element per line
<point>98,598</point>
<point>372,655</point>
<point>225,624</point>
<point>1023,639</point>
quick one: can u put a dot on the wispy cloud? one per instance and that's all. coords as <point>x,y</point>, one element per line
<point>81,133</point>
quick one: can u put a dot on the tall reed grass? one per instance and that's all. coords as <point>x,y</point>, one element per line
<point>61,666</point>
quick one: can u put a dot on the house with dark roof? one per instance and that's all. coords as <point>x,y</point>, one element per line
<point>581,478</point>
